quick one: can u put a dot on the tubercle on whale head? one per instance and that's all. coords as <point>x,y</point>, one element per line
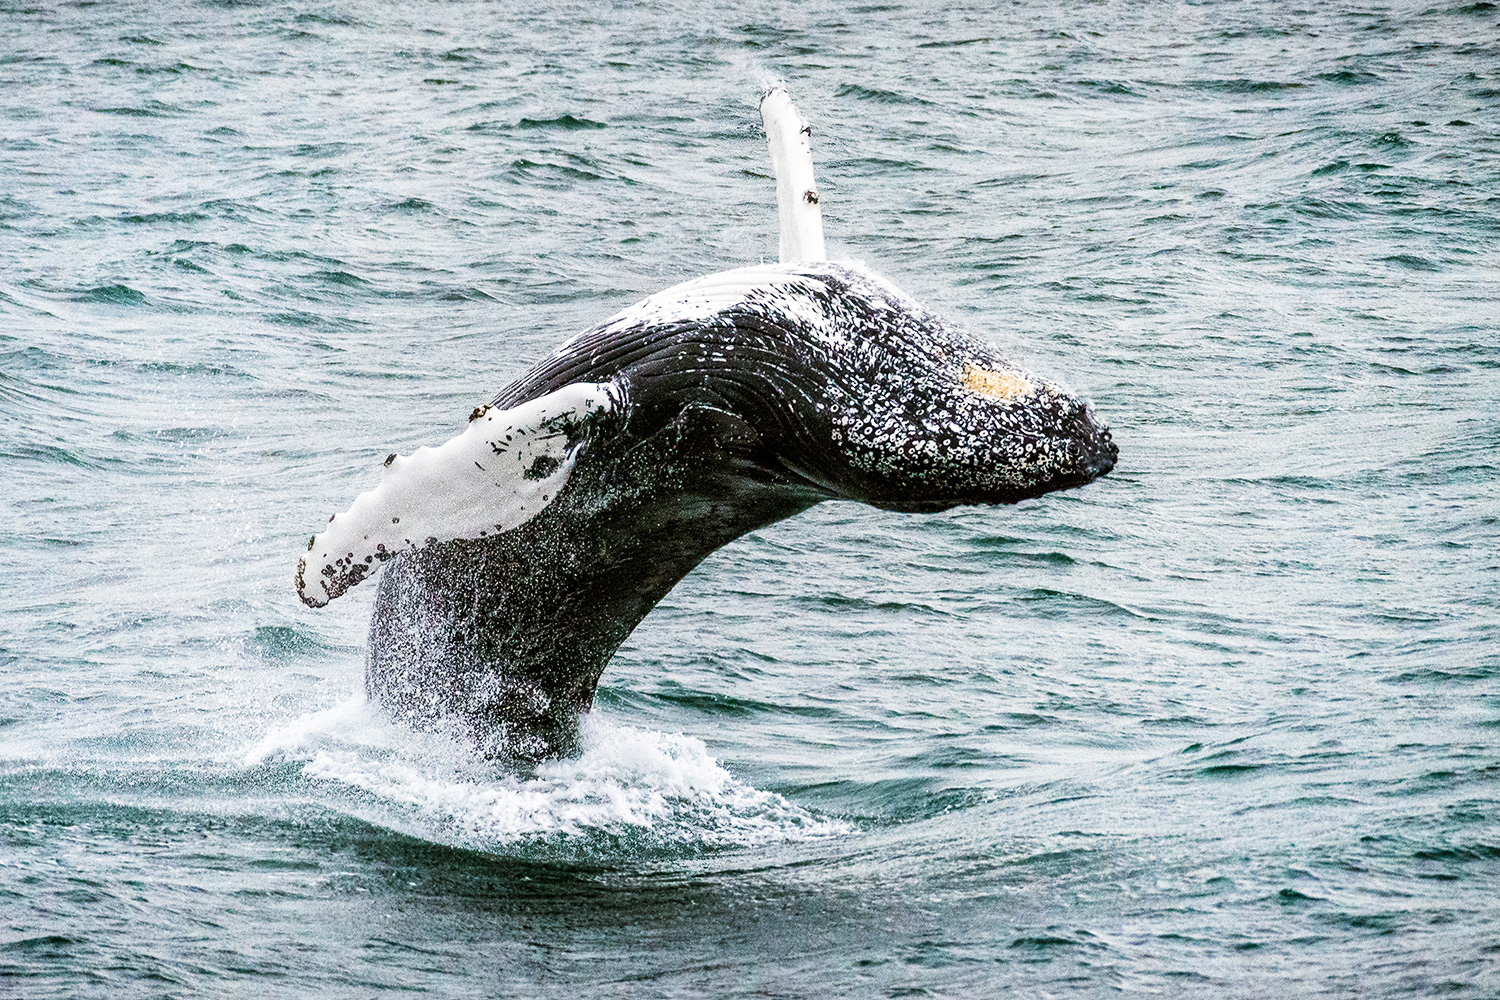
<point>1006,452</point>
<point>961,425</point>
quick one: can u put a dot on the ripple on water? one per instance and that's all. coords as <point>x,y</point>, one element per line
<point>1223,722</point>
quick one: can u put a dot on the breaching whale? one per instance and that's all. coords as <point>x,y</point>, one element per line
<point>520,554</point>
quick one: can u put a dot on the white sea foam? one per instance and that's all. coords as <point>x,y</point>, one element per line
<point>646,788</point>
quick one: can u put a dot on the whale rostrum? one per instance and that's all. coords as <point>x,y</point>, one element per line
<point>520,554</point>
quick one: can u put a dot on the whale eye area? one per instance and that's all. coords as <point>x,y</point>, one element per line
<point>996,385</point>
<point>543,467</point>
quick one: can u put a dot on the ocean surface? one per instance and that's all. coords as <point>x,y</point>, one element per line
<point>1225,723</point>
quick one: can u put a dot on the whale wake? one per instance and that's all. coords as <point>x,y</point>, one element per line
<point>630,790</point>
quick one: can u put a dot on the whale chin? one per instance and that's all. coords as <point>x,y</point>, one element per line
<point>1089,454</point>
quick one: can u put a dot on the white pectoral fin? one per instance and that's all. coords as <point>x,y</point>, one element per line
<point>499,473</point>
<point>790,139</point>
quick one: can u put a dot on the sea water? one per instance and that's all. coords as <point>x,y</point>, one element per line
<point>1224,723</point>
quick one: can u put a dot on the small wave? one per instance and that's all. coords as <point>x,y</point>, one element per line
<point>1242,85</point>
<point>322,150</point>
<point>631,790</point>
<point>1114,87</point>
<point>152,218</point>
<point>567,123</point>
<point>470,294</point>
<point>280,643</point>
<point>531,170</point>
<point>1043,943</point>
<point>44,945</point>
<point>335,20</point>
<point>1350,78</point>
<point>116,294</point>
<point>876,95</point>
<point>958,43</point>
<point>412,205</point>
<point>1048,603</point>
<point>152,109</point>
<point>1411,262</point>
<point>1321,208</point>
<point>1458,853</point>
<point>47,454</point>
<point>1228,770</point>
<point>341,278</point>
<point>175,69</point>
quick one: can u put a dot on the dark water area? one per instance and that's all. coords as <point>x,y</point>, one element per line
<point>1224,723</point>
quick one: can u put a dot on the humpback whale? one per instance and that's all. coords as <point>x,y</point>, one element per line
<point>520,554</point>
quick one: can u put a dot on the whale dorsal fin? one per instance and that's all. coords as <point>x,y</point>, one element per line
<point>500,472</point>
<point>790,139</point>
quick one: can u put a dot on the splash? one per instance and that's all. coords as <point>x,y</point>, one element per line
<point>631,790</point>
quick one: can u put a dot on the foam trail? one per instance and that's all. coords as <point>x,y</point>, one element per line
<point>646,788</point>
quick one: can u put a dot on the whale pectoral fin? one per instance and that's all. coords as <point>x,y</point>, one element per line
<point>797,199</point>
<point>499,473</point>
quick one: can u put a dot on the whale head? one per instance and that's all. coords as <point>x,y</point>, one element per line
<point>963,425</point>
<point>858,390</point>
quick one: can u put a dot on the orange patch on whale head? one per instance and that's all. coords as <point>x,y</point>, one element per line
<point>996,385</point>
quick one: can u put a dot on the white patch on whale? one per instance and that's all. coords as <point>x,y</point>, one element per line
<point>797,199</point>
<point>507,466</point>
<point>701,299</point>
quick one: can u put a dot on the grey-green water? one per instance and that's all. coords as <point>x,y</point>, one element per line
<point>1224,723</point>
